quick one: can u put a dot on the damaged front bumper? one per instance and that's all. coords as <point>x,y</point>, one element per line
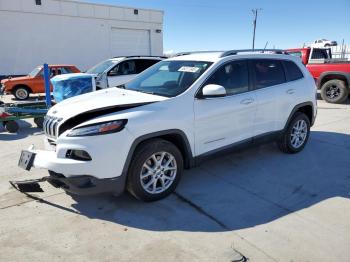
<point>75,184</point>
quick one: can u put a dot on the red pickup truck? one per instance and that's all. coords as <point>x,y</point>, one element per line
<point>331,75</point>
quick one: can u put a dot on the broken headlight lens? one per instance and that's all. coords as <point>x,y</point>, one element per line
<point>98,129</point>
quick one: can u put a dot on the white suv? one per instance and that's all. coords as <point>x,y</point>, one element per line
<point>119,70</point>
<point>142,135</point>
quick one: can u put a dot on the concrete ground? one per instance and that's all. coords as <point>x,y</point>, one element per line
<point>258,203</point>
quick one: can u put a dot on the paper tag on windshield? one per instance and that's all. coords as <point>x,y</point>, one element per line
<point>189,69</point>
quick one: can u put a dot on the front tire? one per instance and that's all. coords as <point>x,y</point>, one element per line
<point>334,91</point>
<point>21,92</point>
<point>39,121</point>
<point>296,135</point>
<point>155,170</point>
<point>11,126</point>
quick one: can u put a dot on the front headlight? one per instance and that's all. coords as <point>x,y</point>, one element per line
<point>99,128</point>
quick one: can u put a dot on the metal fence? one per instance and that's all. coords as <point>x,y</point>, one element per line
<point>341,51</point>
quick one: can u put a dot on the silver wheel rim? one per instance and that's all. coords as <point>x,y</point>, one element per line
<point>158,172</point>
<point>21,93</point>
<point>298,134</point>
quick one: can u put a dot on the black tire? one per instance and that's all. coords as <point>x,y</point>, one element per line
<point>39,121</point>
<point>141,155</point>
<point>11,126</point>
<point>285,142</point>
<point>334,91</point>
<point>21,92</point>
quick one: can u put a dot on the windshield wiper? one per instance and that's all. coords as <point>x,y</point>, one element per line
<point>143,91</point>
<point>121,86</point>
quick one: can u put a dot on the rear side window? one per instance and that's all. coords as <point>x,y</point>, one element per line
<point>268,73</point>
<point>319,54</point>
<point>66,70</point>
<point>292,71</point>
<point>143,64</point>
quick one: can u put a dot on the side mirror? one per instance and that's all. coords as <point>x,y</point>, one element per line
<point>112,73</point>
<point>213,91</point>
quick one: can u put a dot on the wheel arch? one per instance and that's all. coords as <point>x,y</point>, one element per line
<point>175,136</point>
<point>21,85</point>
<point>326,76</point>
<point>307,108</point>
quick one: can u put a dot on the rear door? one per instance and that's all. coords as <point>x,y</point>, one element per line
<point>274,96</point>
<point>223,121</point>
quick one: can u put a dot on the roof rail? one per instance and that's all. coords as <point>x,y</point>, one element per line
<point>195,52</point>
<point>129,56</point>
<point>235,52</point>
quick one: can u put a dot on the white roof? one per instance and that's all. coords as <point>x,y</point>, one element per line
<point>215,56</point>
<point>207,56</point>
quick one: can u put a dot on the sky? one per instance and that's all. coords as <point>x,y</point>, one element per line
<point>228,24</point>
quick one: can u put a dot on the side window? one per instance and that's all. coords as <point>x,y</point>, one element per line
<point>53,72</point>
<point>233,76</point>
<point>64,70</point>
<point>319,54</point>
<point>268,73</point>
<point>143,64</point>
<point>127,68</point>
<point>292,71</point>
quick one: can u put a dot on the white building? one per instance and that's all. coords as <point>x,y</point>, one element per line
<point>34,32</point>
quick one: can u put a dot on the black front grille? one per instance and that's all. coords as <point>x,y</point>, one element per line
<point>50,126</point>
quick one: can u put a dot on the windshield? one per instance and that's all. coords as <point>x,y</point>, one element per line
<point>101,67</point>
<point>35,71</point>
<point>168,78</point>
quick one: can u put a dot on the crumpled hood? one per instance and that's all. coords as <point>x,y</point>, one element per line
<point>105,98</point>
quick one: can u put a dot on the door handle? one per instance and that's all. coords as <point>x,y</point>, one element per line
<point>247,101</point>
<point>290,91</point>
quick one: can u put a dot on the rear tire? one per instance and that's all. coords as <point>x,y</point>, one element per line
<point>21,92</point>
<point>11,126</point>
<point>296,135</point>
<point>155,170</point>
<point>334,91</point>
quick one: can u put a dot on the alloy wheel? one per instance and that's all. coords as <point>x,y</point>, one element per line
<point>299,133</point>
<point>158,172</point>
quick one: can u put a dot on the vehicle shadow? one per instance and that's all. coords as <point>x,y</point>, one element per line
<point>239,190</point>
<point>25,129</point>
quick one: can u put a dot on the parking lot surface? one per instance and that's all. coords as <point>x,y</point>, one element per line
<point>258,203</point>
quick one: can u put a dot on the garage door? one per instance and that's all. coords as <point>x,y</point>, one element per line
<point>130,42</point>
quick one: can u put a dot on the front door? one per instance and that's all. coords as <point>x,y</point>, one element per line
<point>122,73</point>
<point>224,121</point>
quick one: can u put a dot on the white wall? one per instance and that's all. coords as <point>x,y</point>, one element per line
<point>64,31</point>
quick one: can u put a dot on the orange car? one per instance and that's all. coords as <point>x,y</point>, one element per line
<point>21,87</point>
